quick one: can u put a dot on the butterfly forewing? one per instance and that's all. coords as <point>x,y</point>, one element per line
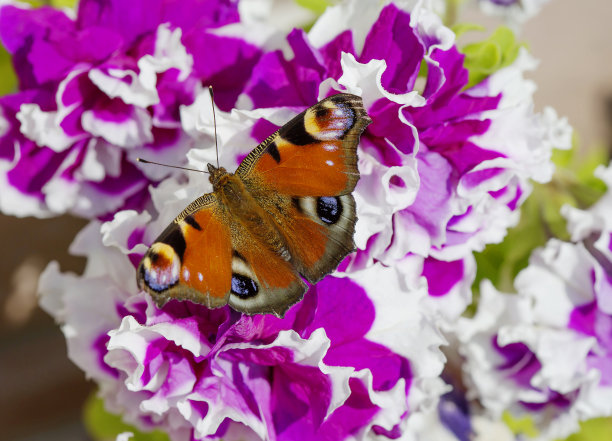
<point>209,257</point>
<point>314,154</point>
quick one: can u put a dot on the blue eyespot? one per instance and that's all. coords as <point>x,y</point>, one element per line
<point>243,286</point>
<point>329,209</point>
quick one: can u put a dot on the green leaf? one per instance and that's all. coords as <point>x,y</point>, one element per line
<point>316,6</point>
<point>520,426</point>
<point>461,28</point>
<point>597,429</point>
<point>63,3</point>
<point>551,200</point>
<point>488,56</point>
<point>53,3</point>
<point>575,176</point>
<point>8,80</point>
<point>500,263</point>
<point>103,426</point>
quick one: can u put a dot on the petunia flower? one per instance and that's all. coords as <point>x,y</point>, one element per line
<point>337,366</point>
<point>444,167</point>
<point>102,87</point>
<point>547,351</point>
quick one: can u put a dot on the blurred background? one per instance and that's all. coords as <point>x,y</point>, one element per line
<point>42,392</point>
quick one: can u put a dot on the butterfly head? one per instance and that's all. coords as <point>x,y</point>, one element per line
<point>216,175</point>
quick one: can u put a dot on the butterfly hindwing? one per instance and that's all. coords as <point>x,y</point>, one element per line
<point>323,236</point>
<point>191,259</point>
<point>262,280</point>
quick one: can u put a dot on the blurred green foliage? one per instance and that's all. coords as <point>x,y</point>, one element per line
<point>54,3</point>
<point>102,425</point>
<point>316,6</point>
<point>488,56</point>
<point>573,183</point>
<point>598,429</point>
<point>520,426</point>
<point>8,80</point>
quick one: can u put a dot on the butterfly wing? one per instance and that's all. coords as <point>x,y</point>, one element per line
<point>262,281</point>
<point>209,257</point>
<point>314,154</point>
<point>303,176</point>
<point>191,259</point>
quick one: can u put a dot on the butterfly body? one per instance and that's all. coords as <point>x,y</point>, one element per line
<point>286,213</point>
<point>244,213</point>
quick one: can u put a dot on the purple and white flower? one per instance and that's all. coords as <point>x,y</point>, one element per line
<point>547,351</point>
<point>102,87</point>
<point>443,169</point>
<point>339,365</point>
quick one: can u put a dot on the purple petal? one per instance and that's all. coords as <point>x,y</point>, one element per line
<point>393,40</point>
<point>343,310</point>
<point>442,276</point>
<point>234,60</point>
<point>300,398</point>
<point>129,19</point>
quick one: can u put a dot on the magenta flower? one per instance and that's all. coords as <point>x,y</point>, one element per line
<point>444,169</point>
<point>102,88</point>
<point>337,366</point>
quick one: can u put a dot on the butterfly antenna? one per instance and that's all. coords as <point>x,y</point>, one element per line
<point>212,102</point>
<point>144,161</point>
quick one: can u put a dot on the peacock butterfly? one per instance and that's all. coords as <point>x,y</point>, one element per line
<point>286,212</point>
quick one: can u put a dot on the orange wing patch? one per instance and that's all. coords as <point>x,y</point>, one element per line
<point>315,169</point>
<point>269,269</point>
<point>307,240</point>
<point>207,260</point>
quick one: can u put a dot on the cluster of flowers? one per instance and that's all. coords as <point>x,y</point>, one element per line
<point>444,170</point>
<point>547,351</point>
<point>100,89</point>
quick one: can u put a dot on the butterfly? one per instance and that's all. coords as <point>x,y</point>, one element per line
<point>286,213</point>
